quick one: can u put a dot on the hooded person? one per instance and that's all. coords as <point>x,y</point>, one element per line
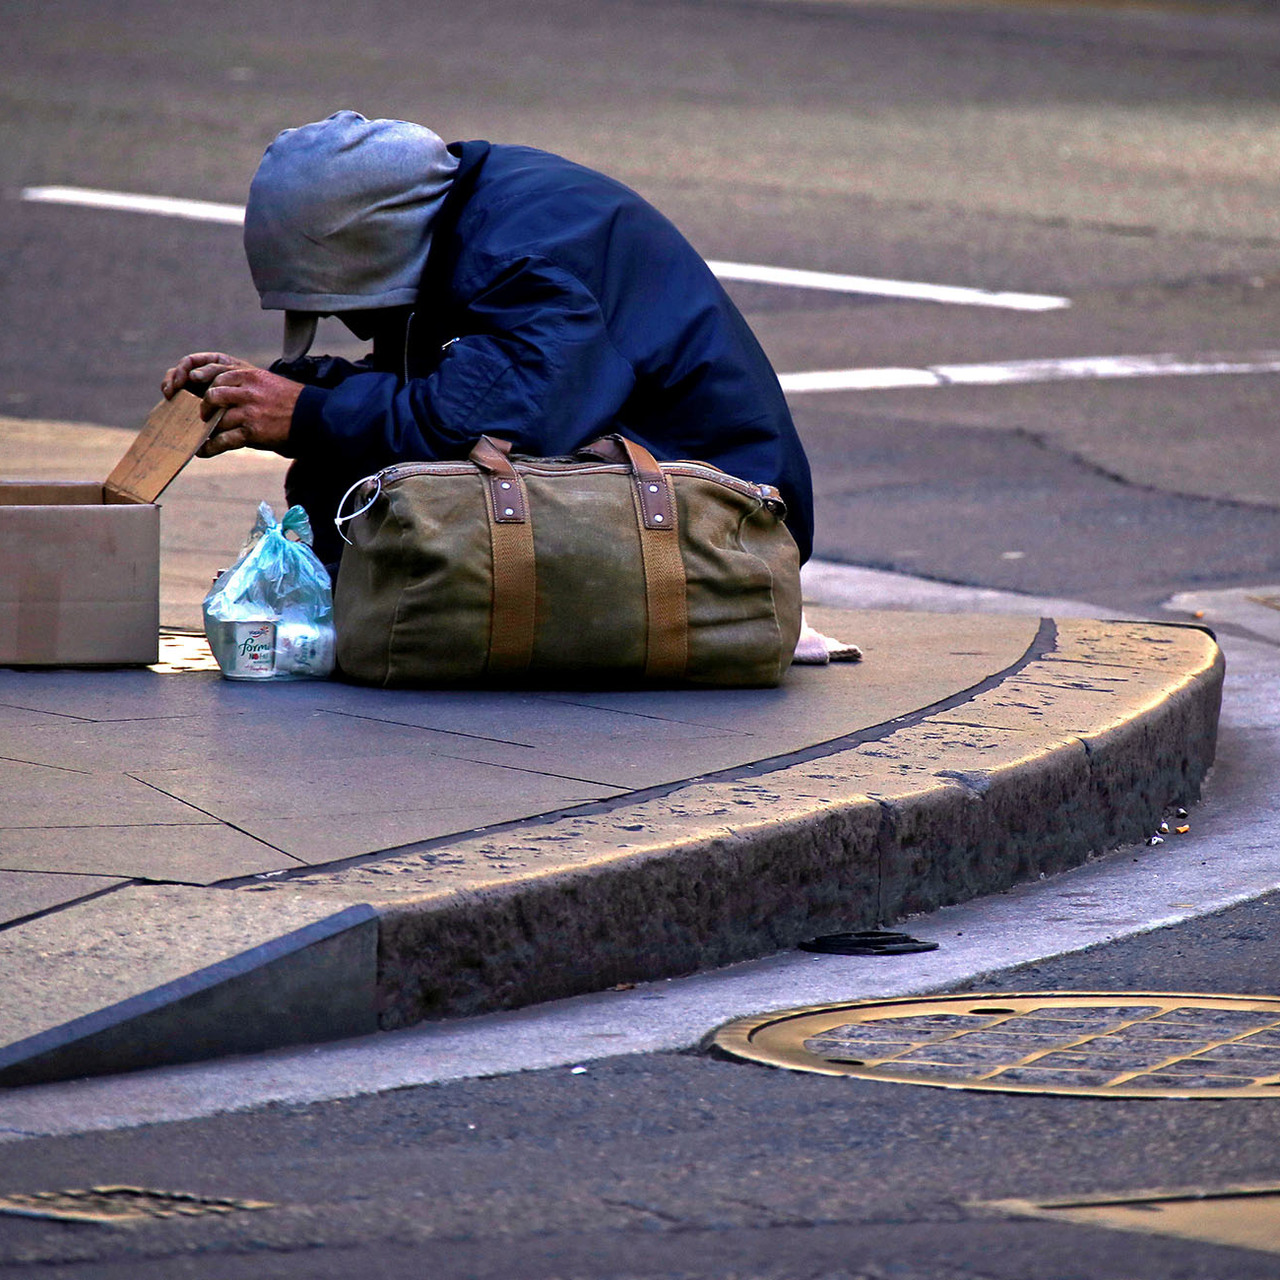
<point>506,291</point>
<point>339,220</point>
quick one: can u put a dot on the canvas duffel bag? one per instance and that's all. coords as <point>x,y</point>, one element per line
<point>602,567</point>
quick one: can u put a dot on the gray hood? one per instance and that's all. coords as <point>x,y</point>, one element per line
<point>339,217</point>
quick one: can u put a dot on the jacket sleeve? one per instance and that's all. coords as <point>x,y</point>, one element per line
<point>536,367</point>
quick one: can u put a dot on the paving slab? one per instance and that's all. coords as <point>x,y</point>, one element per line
<point>35,793</point>
<point>326,810</point>
<point>192,778</point>
<point>187,853</point>
<point>30,893</point>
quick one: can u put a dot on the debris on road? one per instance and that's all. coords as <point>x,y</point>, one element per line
<point>867,942</point>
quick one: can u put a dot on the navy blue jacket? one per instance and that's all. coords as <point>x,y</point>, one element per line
<point>556,306</point>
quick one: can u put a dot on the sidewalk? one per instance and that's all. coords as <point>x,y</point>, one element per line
<point>192,867</point>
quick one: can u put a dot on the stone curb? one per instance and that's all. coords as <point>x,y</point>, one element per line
<point>1080,748</point>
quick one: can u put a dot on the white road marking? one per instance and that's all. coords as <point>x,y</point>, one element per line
<point>207,211</point>
<point>882,379</point>
<point>1009,371</point>
<point>166,206</point>
<point>909,290</point>
<point>1229,857</point>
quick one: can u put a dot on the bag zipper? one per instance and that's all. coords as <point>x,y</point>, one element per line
<point>765,493</point>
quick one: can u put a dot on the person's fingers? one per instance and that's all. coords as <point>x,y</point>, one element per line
<point>175,378</point>
<point>235,404</point>
<point>212,366</point>
<point>223,440</point>
<point>235,410</point>
<point>228,389</point>
<point>213,446</point>
<point>198,366</point>
<point>257,404</point>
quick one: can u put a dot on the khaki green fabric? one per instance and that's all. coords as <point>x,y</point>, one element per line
<point>415,593</point>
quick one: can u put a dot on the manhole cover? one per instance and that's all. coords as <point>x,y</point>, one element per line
<point>1103,1044</point>
<point>119,1204</point>
<point>1244,1217</point>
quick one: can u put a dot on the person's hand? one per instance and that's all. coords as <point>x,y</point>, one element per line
<point>199,366</point>
<point>256,410</point>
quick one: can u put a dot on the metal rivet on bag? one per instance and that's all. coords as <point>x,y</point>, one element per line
<point>506,484</point>
<point>653,488</point>
<point>657,519</point>
<point>508,511</point>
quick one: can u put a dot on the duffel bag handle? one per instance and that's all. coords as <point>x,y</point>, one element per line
<point>512,616</point>
<point>506,493</point>
<point>666,601</point>
<point>656,507</point>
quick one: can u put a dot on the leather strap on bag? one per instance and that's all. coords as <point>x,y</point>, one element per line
<point>666,597</point>
<point>513,613</point>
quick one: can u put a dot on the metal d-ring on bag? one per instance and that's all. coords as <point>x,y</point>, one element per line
<point>603,567</point>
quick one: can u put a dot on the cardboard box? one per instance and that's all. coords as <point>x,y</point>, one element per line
<point>80,561</point>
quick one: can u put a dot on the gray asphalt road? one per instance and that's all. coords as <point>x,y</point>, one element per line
<point>681,1165</point>
<point>1124,159</point>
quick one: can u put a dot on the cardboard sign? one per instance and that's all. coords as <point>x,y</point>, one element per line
<point>168,440</point>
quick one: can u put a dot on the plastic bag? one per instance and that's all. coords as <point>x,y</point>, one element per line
<point>270,616</point>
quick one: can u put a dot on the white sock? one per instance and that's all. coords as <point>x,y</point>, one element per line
<point>813,647</point>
